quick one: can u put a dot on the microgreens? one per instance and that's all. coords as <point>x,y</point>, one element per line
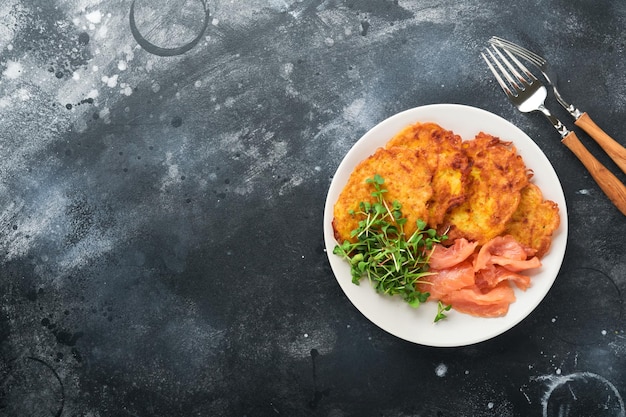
<point>393,263</point>
<point>441,311</point>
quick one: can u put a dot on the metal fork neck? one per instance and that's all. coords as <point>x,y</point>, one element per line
<point>560,127</point>
<point>569,107</point>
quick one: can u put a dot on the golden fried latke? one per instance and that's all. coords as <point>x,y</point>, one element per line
<point>497,177</point>
<point>448,161</point>
<point>407,179</point>
<point>534,221</point>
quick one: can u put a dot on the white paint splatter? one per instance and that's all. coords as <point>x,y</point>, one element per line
<point>173,175</point>
<point>287,70</point>
<point>13,70</point>
<point>293,182</point>
<point>94,17</point>
<point>354,109</point>
<point>105,115</point>
<point>102,32</point>
<point>110,81</point>
<point>23,94</point>
<point>441,370</point>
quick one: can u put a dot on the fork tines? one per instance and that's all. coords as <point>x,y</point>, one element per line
<point>518,50</point>
<point>513,76</point>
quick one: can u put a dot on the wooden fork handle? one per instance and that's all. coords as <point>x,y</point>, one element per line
<point>612,187</point>
<point>616,151</point>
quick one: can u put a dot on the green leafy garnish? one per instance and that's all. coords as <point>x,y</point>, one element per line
<point>383,254</point>
<point>441,311</point>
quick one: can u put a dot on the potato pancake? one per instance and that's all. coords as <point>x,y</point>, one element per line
<point>407,178</point>
<point>534,221</point>
<point>476,189</point>
<point>448,161</point>
<point>497,177</point>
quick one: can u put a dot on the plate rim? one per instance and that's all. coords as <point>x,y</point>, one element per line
<point>403,119</point>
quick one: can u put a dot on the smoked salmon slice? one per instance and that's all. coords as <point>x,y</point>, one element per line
<point>447,280</point>
<point>445,257</point>
<point>504,250</point>
<point>477,280</point>
<point>473,301</point>
<point>495,274</point>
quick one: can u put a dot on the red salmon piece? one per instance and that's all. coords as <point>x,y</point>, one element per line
<point>442,257</point>
<point>479,281</point>
<point>445,281</point>
<point>516,265</point>
<point>500,246</point>
<point>494,303</point>
<point>493,275</point>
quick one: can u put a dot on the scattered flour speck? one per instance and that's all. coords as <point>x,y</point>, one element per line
<point>13,70</point>
<point>441,370</point>
<point>110,81</point>
<point>94,17</point>
<point>23,94</point>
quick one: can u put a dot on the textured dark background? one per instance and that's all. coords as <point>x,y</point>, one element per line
<point>161,216</point>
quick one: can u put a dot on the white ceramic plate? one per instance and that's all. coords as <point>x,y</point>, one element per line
<point>416,325</point>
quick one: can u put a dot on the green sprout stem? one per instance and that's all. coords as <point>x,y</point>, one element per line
<point>394,264</point>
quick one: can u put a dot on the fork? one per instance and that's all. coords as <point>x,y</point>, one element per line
<point>528,94</point>
<point>581,119</point>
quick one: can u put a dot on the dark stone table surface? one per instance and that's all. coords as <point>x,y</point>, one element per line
<point>164,171</point>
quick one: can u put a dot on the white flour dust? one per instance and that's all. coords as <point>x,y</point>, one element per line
<point>13,70</point>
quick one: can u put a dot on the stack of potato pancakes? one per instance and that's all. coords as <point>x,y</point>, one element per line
<point>474,189</point>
